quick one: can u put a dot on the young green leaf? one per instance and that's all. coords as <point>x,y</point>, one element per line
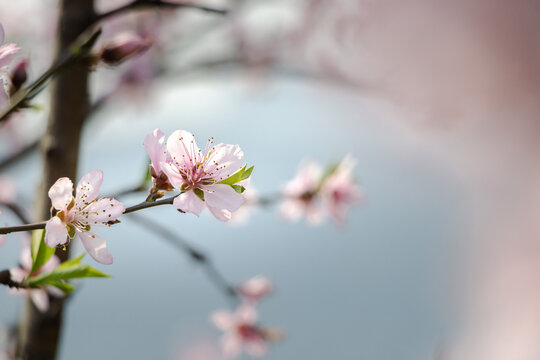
<point>64,286</point>
<point>71,262</point>
<point>76,271</point>
<point>239,189</point>
<point>238,176</point>
<point>41,253</point>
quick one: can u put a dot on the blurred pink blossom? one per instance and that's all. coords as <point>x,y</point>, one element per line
<point>76,215</point>
<point>241,332</point>
<point>7,190</point>
<point>255,289</point>
<point>340,191</point>
<point>39,296</point>
<point>198,173</point>
<point>300,195</point>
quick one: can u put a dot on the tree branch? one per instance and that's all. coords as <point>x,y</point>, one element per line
<point>145,4</point>
<point>196,255</point>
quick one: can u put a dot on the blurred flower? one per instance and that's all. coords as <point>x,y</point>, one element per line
<point>254,289</point>
<point>339,190</point>
<point>39,296</point>
<point>76,215</point>
<point>301,195</point>
<point>198,173</point>
<point>124,46</point>
<point>7,190</point>
<point>241,332</point>
<point>153,144</point>
<point>7,51</point>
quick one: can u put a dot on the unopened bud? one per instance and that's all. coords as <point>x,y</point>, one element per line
<point>19,76</point>
<point>124,46</point>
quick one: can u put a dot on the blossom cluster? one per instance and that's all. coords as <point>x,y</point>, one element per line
<point>315,194</point>
<point>212,178</point>
<point>75,216</point>
<point>241,331</point>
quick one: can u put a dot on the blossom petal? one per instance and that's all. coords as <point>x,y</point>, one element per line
<point>153,144</point>
<point>182,148</point>
<point>247,314</point>
<point>102,211</point>
<point>61,193</point>
<point>55,232</point>
<point>256,347</point>
<point>18,274</point>
<point>40,299</point>
<point>50,265</point>
<point>223,196</point>
<point>220,214</point>
<point>172,174</point>
<point>88,187</point>
<point>96,247</point>
<point>189,202</point>
<point>7,52</point>
<point>231,344</point>
<point>223,320</point>
<point>229,159</point>
<point>3,239</point>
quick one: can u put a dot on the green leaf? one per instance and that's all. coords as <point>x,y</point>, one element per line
<point>67,272</point>
<point>64,286</point>
<point>247,173</point>
<point>238,176</point>
<point>71,262</point>
<point>239,189</point>
<point>41,253</point>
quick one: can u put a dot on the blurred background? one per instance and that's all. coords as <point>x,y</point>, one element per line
<point>436,101</point>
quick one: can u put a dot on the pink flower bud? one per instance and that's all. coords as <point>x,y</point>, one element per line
<point>124,46</point>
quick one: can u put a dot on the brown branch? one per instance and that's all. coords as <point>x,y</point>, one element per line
<point>17,211</point>
<point>5,279</point>
<point>145,4</point>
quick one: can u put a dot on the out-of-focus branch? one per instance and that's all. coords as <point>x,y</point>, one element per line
<point>5,279</point>
<point>196,255</point>
<point>145,4</point>
<point>82,46</point>
<point>17,211</point>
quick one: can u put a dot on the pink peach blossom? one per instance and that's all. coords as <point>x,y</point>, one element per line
<point>197,174</point>
<point>241,332</point>
<point>301,195</point>
<point>340,191</point>
<point>7,190</point>
<point>76,215</point>
<point>39,296</point>
<point>7,52</point>
<point>254,289</point>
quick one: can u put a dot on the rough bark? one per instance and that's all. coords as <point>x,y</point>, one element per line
<point>39,333</point>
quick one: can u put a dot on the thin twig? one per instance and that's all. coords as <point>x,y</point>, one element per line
<point>142,4</point>
<point>196,255</point>
<point>17,211</point>
<point>5,279</point>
